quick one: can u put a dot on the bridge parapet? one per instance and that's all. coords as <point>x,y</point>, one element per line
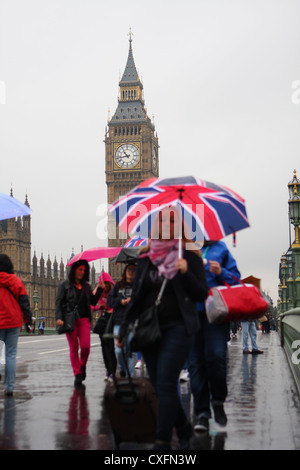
<point>289,331</point>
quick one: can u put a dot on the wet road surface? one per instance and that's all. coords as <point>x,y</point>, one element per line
<point>48,413</point>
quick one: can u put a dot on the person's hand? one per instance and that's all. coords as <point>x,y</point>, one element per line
<point>182,265</point>
<point>215,267</point>
<point>125,301</point>
<point>59,323</point>
<point>118,343</point>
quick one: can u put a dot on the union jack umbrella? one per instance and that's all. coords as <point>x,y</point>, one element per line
<point>135,242</point>
<point>210,211</point>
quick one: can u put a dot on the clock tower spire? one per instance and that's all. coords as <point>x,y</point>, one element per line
<point>131,145</point>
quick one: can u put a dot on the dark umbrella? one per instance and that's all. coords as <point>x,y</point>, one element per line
<point>127,255</point>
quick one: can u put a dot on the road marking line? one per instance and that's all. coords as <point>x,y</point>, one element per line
<point>59,350</point>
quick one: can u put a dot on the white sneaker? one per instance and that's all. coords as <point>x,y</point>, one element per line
<point>138,365</point>
<point>184,375</point>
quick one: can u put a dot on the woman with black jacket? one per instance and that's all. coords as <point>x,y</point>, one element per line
<point>75,294</point>
<point>118,299</point>
<point>178,318</point>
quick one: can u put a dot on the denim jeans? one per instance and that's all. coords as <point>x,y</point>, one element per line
<point>207,365</point>
<point>131,360</point>
<point>164,362</point>
<point>1,349</point>
<point>249,327</point>
<point>10,337</point>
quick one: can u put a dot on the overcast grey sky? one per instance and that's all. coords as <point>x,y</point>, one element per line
<point>218,76</point>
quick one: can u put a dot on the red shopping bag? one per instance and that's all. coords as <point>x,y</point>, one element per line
<point>235,303</point>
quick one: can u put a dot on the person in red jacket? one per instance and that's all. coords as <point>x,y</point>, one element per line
<point>14,309</point>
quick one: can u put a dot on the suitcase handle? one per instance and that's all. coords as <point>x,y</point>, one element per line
<point>127,397</point>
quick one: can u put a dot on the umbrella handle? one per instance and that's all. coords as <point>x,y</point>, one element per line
<point>180,248</point>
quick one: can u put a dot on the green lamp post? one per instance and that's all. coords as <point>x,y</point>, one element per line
<point>36,299</point>
<point>294,213</point>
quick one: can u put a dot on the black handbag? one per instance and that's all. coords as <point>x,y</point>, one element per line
<point>69,319</point>
<point>146,330</point>
<point>101,323</point>
<point>69,322</point>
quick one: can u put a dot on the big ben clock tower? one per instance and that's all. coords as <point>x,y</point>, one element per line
<point>131,146</point>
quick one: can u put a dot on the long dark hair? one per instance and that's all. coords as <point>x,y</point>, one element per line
<point>6,265</point>
<point>122,281</point>
<point>74,266</point>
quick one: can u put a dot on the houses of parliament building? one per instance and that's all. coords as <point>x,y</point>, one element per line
<point>131,156</point>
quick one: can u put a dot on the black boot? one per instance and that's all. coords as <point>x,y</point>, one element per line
<point>220,415</point>
<point>78,380</point>
<point>83,372</point>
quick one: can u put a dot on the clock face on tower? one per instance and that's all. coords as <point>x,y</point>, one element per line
<point>127,156</point>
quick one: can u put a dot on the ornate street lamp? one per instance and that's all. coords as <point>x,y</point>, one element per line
<point>294,214</point>
<point>36,299</point>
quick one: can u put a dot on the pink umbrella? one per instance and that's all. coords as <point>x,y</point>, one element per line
<point>95,253</point>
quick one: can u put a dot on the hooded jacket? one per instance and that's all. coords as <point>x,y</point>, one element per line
<point>14,302</point>
<point>218,251</point>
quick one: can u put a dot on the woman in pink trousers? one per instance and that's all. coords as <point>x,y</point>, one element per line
<point>75,295</point>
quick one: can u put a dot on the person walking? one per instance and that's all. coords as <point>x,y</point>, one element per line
<point>14,309</point>
<point>107,345</point>
<point>207,362</point>
<point>41,328</point>
<point>249,329</point>
<point>118,299</point>
<point>75,294</point>
<point>177,314</point>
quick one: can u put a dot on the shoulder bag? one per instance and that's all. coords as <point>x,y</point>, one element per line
<point>241,302</point>
<point>101,322</point>
<point>69,318</point>
<point>146,329</point>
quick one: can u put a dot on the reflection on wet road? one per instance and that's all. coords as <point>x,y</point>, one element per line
<point>47,413</point>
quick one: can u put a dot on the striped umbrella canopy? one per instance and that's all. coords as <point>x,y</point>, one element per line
<point>210,211</point>
<point>135,242</point>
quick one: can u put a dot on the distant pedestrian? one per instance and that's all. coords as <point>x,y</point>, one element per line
<point>14,308</point>
<point>41,328</point>
<point>118,299</point>
<point>177,315</point>
<point>234,328</point>
<point>265,324</point>
<point>249,329</point>
<point>75,295</point>
<point>207,363</point>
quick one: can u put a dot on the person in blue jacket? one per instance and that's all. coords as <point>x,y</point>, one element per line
<point>207,361</point>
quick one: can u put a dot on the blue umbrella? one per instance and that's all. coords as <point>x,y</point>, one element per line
<point>11,207</point>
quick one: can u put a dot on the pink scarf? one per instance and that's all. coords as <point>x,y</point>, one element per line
<point>164,255</point>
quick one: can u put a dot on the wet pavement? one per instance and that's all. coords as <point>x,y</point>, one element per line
<point>48,413</point>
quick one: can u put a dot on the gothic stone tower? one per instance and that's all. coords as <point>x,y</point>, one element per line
<point>131,147</point>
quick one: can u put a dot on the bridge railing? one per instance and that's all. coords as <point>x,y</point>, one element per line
<point>288,326</point>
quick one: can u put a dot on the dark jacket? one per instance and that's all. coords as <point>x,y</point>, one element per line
<point>66,298</point>
<point>189,288</point>
<point>114,299</point>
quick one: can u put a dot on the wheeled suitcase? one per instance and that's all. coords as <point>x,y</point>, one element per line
<point>131,405</point>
